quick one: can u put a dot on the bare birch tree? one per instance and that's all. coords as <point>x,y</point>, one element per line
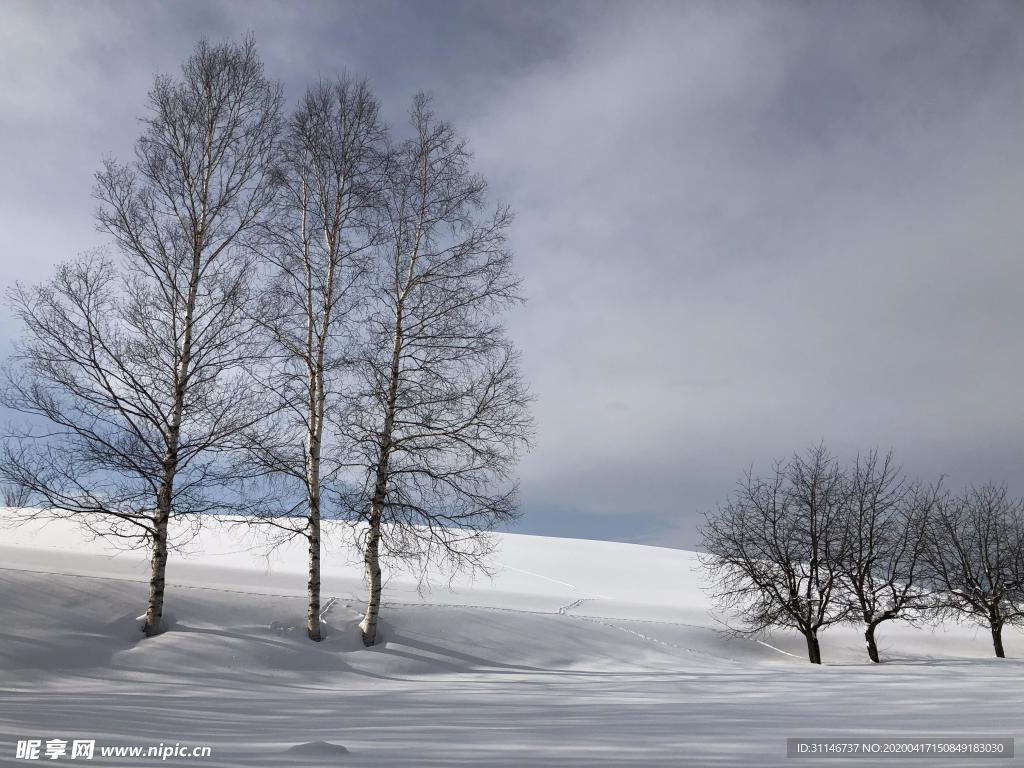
<point>316,245</point>
<point>439,411</point>
<point>886,518</point>
<point>137,365</point>
<point>975,556</point>
<point>773,550</point>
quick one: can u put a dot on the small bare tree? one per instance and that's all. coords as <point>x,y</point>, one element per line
<point>773,551</point>
<point>316,245</point>
<point>975,556</point>
<point>886,518</point>
<point>138,365</point>
<point>15,496</point>
<point>439,411</point>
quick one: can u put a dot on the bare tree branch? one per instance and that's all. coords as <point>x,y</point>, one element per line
<point>438,413</point>
<point>773,551</point>
<point>134,370</point>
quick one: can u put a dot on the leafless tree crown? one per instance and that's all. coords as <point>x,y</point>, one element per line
<point>975,558</point>
<point>317,246</point>
<point>136,362</point>
<point>773,551</point>
<point>297,317</point>
<point>440,409</point>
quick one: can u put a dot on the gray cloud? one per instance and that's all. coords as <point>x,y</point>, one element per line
<point>743,227</point>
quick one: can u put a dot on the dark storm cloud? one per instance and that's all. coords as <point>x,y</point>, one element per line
<point>743,227</point>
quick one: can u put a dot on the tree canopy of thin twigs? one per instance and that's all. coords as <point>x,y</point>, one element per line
<point>773,550</point>
<point>296,318</point>
<point>975,558</point>
<point>438,412</point>
<point>132,365</point>
<point>814,544</point>
<point>886,518</point>
<point>317,248</point>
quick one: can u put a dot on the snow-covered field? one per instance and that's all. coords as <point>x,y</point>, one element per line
<point>577,653</point>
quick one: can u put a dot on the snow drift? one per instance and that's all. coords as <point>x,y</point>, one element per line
<point>574,653</point>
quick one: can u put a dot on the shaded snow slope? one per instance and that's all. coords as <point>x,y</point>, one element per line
<point>576,653</point>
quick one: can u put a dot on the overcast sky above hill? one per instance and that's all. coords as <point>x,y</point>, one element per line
<point>744,227</point>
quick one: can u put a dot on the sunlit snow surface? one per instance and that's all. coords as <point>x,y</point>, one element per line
<point>576,653</point>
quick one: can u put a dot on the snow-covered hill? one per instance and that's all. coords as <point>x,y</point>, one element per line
<point>575,653</point>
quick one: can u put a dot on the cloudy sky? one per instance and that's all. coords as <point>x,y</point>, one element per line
<point>744,227</point>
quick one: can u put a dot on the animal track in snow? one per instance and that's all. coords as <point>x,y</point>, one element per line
<point>576,604</point>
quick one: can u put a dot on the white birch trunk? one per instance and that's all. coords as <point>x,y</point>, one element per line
<point>165,496</point>
<point>371,559</point>
<point>158,567</point>
<point>313,608</point>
